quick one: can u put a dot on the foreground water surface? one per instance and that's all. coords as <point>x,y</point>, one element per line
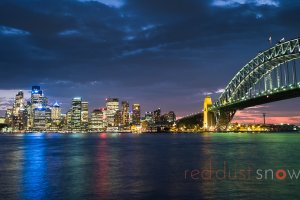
<point>145,166</point>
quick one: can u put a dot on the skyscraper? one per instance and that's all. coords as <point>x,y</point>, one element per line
<point>38,104</point>
<point>38,100</point>
<point>19,103</point>
<point>149,118</point>
<point>76,114</point>
<point>112,105</point>
<point>56,113</point>
<point>96,122</point>
<point>156,115</point>
<point>84,115</point>
<point>39,119</point>
<point>136,114</point>
<point>125,113</point>
<point>19,118</point>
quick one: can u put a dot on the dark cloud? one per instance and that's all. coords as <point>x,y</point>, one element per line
<point>159,53</point>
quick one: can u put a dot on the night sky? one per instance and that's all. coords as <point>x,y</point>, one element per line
<point>159,53</point>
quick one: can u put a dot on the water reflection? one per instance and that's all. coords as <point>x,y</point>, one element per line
<point>34,181</point>
<point>127,166</point>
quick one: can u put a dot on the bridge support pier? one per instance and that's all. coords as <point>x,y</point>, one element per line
<point>209,120</point>
<point>224,117</point>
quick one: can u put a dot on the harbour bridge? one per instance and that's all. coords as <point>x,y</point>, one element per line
<point>270,76</point>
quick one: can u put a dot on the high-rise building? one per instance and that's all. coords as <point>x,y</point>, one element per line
<point>112,106</point>
<point>76,114</point>
<point>38,100</point>
<point>38,103</point>
<point>19,114</point>
<point>56,113</point>
<point>96,122</point>
<point>136,114</point>
<point>149,118</point>
<point>84,115</point>
<point>68,122</point>
<point>118,118</point>
<point>125,113</point>
<point>156,116</point>
<point>19,103</point>
<point>171,117</point>
<point>39,119</point>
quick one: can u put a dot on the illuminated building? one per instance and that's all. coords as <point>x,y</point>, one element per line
<point>18,104</point>
<point>112,105</point>
<point>68,122</point>
<point>118,118</point>
<point>84,115</point>
<point>136,114</point>
<point>156,116</point>
<point>39,119</point>
<point>8,116</point>
<point>76,114</point>
<point>149,117</point>
<point>125,113</point>
<point>171,117</point>
<point>38,99</point>
<point>55,113</point>
<point>96,122</point>
<point>19,115</point>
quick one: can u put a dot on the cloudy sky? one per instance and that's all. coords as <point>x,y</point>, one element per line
<point>159,53</point>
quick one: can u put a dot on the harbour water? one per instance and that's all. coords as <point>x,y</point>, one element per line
<point>149,166</point>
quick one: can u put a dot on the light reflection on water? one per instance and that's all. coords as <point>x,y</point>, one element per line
<point>128,166</point>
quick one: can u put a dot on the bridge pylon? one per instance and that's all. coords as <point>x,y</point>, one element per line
<point>224,118</point>
<point>209,121</point>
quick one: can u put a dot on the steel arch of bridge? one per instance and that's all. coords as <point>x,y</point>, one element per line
<point>238,93</point>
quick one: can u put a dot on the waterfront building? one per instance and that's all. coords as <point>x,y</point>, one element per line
<point>149,118</point>
<point>125,114</point>
<point>96,122</point>
<point>56,113</point>
<point>118,118</point>
<point>156,116</point>
<point>84,115</point>
<point>38,100</point>
<point>19,103</point>
<point>136,114</point>
<point>76,114</point>
<point>112,106</point>
<point>39,119</point>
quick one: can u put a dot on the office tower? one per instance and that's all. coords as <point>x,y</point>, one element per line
<point>8,116</point>
<point>39,119</point>
<point>38,100</point>
<point>156,115</point>
<point>125,113</point>
<point>76,114</point>
<point>136,114</point>
<point>112,105</point>
<point>96,122</point>
<point>149,118</point>
<point>56,113</point>
<point>38,104</point>
<point>171,117</point>
<point>69,120</point>
<point>84,115</point>
<point>18,117</point>
<point>118,118</point>
<point>19,103</point>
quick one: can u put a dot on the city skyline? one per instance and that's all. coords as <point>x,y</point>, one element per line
<point>157,55</point>
<point>38,114</point>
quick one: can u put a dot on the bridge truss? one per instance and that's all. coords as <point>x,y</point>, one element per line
<point>270,76</point>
